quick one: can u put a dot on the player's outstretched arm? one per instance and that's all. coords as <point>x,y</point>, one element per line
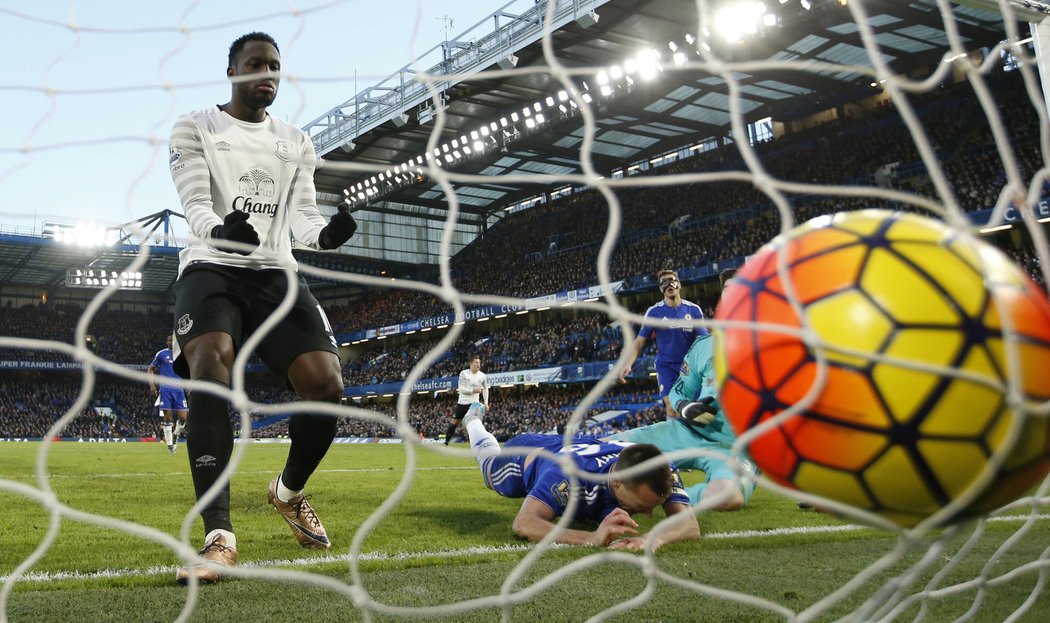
<point>535,519</point>
<point>636,350</point>
<point>687,530</point>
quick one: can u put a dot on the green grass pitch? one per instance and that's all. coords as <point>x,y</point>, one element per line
<point>446,551</point>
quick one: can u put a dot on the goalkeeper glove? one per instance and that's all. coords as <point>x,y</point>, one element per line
<point>338,230</point>
<point>701,413</point>
<point>235,228</point>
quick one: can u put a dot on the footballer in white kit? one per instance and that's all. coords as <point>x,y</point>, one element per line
<point>245,181</point>
<point>472,387</point>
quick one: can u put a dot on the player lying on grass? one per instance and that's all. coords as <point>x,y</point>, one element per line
<point>547,489</point>
<point>700,424</point>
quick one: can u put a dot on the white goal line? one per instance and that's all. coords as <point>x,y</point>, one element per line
<point>437,554</point>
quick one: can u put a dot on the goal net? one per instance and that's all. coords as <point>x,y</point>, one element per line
<point>795,109</point>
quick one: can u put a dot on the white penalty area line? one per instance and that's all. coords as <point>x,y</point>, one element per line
<point>266,564</point>
<point>439,554</point>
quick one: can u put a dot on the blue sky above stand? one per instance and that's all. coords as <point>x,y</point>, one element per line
<point>90,90</point>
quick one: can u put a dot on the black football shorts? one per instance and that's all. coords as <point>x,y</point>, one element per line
<point>236,301</point>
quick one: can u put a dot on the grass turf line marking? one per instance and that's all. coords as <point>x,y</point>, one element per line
<point>469,551</point>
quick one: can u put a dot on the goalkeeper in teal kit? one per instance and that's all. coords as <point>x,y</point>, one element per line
<point>701,425</point>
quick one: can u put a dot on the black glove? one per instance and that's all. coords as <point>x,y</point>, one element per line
<point>235,228</point>
<point>701,413</point>
<point>338,230</point>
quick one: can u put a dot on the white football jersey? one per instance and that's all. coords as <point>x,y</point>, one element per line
<point>467,383</point>
<point>220,164</point>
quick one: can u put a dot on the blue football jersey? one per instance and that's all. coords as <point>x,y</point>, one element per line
<point>673,342</point>
<point>547,482</point>
<point>164,361</point>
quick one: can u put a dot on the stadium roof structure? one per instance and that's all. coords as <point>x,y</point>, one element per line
<point>45,261</point>
<point>388,126</point>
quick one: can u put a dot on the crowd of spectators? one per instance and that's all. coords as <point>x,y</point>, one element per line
<point>1027,259</point>
<point>543,409</point>
<point>123,409</point>
<point>550,341</point>
<point>31,403</point>
<point>120,336</point>
<point>553,247</point>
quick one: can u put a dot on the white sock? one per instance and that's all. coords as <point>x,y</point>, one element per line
<point>167,433</point>
<point>178,429</point>
<point>284,493</point>
<point>231,538</point>
<point>482,443</point>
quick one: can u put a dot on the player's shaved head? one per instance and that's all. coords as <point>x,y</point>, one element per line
<point>238,45</point>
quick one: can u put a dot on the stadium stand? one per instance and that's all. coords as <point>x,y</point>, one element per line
<point>551,248</point>
<point>736,219</point>
<point>513,411</point>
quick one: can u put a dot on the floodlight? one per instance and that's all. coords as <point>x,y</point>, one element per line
<point>95,278</point>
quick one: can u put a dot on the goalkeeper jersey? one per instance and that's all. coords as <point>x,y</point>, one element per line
<point>697,381</point>
<point>220,164</point>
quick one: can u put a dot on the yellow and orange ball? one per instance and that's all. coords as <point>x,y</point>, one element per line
<point>924,334</point>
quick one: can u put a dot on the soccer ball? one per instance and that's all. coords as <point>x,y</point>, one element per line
<point>929,341</point>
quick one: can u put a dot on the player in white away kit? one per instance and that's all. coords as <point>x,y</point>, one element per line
<point>246,184</point>
<point>473,387</point>
<point>169,399</point>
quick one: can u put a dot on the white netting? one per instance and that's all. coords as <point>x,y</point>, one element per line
<point>910,577</point>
